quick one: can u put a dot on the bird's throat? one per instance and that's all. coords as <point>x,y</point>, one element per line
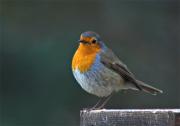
<point>84,58</point>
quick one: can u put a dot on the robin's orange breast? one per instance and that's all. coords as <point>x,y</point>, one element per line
<point>84,58</point>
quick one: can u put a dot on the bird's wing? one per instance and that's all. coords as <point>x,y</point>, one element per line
<point>111,61</point>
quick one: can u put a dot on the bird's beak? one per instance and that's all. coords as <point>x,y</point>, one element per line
<point>83,42</point>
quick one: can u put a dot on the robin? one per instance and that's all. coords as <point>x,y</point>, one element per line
<point>100,72</point>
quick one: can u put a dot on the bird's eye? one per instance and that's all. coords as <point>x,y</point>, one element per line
<point>94,41</point>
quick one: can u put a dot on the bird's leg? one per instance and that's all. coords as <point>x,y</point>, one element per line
<point>99,101</point>
<point>104,102</point>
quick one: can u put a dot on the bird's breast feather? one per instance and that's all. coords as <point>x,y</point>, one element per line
<point>83,62</point>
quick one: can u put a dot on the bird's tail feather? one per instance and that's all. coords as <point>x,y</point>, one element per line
<point>147,88</point>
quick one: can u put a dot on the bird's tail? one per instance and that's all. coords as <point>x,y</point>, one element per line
<point>147,88</point>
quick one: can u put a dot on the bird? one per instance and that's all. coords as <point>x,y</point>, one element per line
<point>101,73</point>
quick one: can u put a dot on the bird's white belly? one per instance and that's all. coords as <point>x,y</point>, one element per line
<point>99,80</point>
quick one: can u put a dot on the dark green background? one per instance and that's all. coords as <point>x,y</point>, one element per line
<point>38,39</point>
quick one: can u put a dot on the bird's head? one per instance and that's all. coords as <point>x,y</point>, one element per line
<point>90,45</point>
<point>90,41</point>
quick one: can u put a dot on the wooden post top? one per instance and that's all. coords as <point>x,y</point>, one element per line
<point>130,117</point>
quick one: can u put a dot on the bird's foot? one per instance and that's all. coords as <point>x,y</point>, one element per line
<point>90,109</point>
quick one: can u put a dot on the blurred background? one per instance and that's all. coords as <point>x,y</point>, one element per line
<point>38,39</point>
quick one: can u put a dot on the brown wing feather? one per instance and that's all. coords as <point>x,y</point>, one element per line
<point>117,66</point>
<point>111,61</point>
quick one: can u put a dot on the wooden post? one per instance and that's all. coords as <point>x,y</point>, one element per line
<point>134,117</point>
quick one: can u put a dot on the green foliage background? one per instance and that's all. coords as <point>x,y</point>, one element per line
<point>38,39</point>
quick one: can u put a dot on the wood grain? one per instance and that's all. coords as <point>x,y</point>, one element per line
<point>137,117</point>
